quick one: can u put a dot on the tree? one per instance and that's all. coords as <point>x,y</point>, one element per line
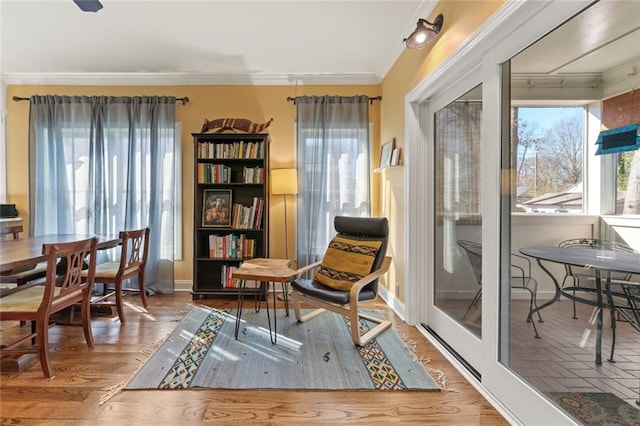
<point>632,195</point>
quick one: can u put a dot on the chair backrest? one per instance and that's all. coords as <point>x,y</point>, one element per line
<point>596,243</point>
<point>599,244</point>
<point>366,229</point>
<point>67,289</point>
<point>10,230</point>
<point>135,250</point>
<point>474,254</point>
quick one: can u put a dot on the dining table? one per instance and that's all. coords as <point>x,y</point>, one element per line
<point>603,263</point>
<point>23,252</point>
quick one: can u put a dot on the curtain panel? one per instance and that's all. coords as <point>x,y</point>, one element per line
<point>333,156</point>
<point>99,165</point>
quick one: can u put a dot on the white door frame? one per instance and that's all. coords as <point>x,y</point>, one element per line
<point>511,29</point>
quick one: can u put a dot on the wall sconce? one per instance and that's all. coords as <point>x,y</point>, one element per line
<point>424,33</point>
<point>284,182</point>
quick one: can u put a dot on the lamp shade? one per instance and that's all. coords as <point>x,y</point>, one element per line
<point>424,33</point>
<point>284,181</point>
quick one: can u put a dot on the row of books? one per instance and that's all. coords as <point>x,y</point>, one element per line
<point>231,246</point>
<point>214,173</point>
<point>226,272</point>
<point>231,150</point>
<point>221,173</point>
<point>253,175</point>
<point>248,217</point>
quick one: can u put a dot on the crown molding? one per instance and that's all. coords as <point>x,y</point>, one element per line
<point>187,79</point>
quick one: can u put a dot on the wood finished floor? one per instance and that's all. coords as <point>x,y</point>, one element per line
<point>84,377</point>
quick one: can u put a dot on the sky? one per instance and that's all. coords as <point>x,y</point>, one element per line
<point>546,117</point>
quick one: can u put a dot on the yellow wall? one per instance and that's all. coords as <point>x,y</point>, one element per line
<point>461,19</point>
<point>257,103</point>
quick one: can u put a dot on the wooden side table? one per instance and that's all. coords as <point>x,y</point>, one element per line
<point>265,271</point>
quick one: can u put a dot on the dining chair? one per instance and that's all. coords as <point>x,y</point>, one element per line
<point>580,277</point>
<point>133,260</point>
<point>347,276</point>
<point>36,303</point>
<point>22,275</point>
<point>521,278</point>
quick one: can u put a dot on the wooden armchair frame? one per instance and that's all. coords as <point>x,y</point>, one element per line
<point>351,310</point>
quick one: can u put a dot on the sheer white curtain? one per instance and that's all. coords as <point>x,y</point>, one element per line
<point>99,165</point>
<point>333,168</point>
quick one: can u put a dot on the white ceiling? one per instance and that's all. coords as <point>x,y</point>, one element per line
<point>194,42</point>
<point>273,42</point>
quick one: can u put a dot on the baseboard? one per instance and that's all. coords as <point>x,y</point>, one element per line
<point>182,285</point>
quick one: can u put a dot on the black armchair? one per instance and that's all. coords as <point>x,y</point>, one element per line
<point>348,275</point>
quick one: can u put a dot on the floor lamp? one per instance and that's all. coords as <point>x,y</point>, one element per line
<point>284,182</point>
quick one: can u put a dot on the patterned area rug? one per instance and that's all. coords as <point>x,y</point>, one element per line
<point>319,354</point>
<point>597,408</point>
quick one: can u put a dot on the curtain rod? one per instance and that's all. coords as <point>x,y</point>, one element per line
<point>377,98</point>
<point>184,100</point>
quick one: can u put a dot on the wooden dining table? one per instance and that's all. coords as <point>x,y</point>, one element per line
<point>23,252</point>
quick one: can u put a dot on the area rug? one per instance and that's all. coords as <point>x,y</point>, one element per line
<point>597,408</point>
<point>319,354</point>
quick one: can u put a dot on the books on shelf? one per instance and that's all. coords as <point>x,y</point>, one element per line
<point>253,175</point>
<point>231,246</point>
<point>231,150</point>
<point>214,173</point>
<point>248,217</point>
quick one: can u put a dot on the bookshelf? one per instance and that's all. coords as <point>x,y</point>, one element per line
<point>230,199</point>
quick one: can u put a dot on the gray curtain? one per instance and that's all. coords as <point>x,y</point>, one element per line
<point>99,165</point>
<point>333,157</point>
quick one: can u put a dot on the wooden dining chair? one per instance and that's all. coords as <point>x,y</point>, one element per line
<point>22,275</point>
<point>133,260</point>
<point>36,303</point>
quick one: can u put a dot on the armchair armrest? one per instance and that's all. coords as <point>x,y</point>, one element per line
<point>358,285</point>
<point>307,268</point>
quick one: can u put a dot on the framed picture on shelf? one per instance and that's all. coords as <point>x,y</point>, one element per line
<point>385,153</point>
<point>395,156</point>
<point>216,208</point>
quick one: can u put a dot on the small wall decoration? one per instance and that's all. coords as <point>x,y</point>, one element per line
<point>216,208</point>
<point>395,157</point>
<point>232,124</point>
<point>385,153</point>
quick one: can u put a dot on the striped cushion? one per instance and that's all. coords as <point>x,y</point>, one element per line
<point>107,269</point>
<point>346,261</point>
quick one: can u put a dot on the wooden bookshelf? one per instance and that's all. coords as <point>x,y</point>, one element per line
<point>230,198</point>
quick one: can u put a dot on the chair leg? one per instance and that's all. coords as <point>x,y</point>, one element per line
<point>143,293</point>
<point>42,338</point>
<point>85,314</point>
<point>119,302</point>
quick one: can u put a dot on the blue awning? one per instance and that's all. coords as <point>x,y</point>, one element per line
<point>620,139</point>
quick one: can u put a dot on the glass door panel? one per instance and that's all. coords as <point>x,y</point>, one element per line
<point>458,215</point>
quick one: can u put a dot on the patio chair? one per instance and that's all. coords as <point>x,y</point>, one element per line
<point>521,277</point>
<point>36,303</point>
<point>348,275</point>
<point>580,276</point>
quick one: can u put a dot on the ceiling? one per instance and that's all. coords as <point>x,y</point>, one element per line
<point>206,41</point>
<point>274,42</point>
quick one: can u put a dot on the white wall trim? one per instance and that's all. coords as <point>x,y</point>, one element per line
<point>188,79</point>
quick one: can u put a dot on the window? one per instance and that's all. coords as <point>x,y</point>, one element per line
<point>549,145</point>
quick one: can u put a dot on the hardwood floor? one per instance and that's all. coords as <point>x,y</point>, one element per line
<point>84,377</point>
